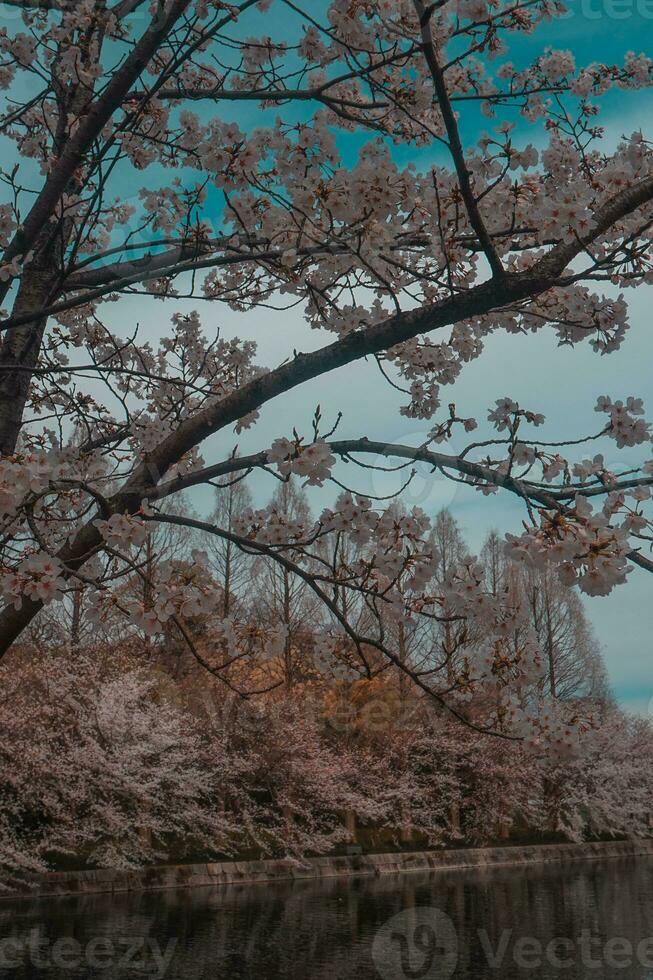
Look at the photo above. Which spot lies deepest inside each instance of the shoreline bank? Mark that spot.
(158, 878)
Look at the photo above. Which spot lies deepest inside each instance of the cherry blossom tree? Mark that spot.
(99, 765)
(132, 177)
(604, 788)
(110, 760)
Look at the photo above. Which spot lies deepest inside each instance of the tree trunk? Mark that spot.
(75, 629)
(226, 602)
(454, 817)
(350, 823)
(287, 652)
(550, 649)
(19, 353)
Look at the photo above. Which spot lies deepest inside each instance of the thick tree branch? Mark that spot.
(39, 4)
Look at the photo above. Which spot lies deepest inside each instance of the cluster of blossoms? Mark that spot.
(172, 599)
(585, 546)
(184, 592)
(38, 577)
(123, 532)
(507, 413)
(24, 475)
(312, 462)
(269, 526)
(549, 729)
(590, 467)
(498, 664)
(625, 428)
(186, 372)
(353, 514)
(394, 557)
(590, 548)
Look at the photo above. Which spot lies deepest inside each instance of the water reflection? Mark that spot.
(590, 919)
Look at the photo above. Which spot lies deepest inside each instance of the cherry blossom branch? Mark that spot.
(476, 301)
(457, 152)
(93, 122)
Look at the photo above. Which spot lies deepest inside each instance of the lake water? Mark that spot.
(588, 920)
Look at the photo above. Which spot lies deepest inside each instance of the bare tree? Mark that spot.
(280, 597)
(572, 663)
(232, 568)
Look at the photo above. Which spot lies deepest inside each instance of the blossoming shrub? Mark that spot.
(98, 765)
